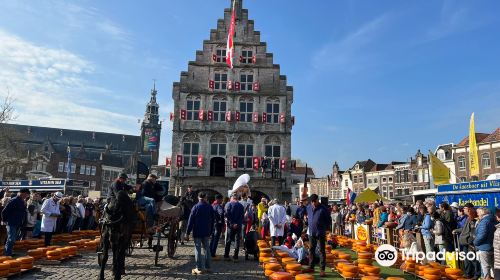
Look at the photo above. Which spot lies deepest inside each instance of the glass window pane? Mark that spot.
(269, 151)
(213, 149)
(277, 151)
(241, 150)
(195, 148)
(249, 150)
(217, 77)
(276, 108)
(216, 106)
(189, 105)
(250, 78)
(187, 148)
(224, 77)
(243, 78)
(249, 107)
(222, 150)
(242, 107)
(269, 108)
(241, 162)
(189, 115)
(275, 118)
(223, 106)
(197, 105)
(249, 162)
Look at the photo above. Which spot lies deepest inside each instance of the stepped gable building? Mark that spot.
(228, 122)
(96, 157)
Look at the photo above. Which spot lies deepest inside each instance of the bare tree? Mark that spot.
(9, 151)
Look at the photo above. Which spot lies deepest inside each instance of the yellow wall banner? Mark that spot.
(473, 159)
(440, 172)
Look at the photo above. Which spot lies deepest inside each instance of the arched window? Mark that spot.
(191, 149)
(245, 151)
(461, 163)
(273, 110)
(219, 108)
(485, 160)
(246, 109)
(193, 104)
(218, 145)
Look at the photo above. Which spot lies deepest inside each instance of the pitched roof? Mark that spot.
(302, 170)
(379, 167)
(479, 138)
(493, 137)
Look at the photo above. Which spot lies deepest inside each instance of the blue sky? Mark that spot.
(372, 79)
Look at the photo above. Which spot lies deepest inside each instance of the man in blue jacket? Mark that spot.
(13, 215)
(218, 224)
(483, 242)
(234, 220)
(201, 221)
(318, 222)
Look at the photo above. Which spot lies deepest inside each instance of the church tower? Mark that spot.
(151, 128)
(228, 122)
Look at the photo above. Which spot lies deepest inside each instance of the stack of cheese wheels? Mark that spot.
(304, 277)
(264, 253)
(419, 269)
(329, 258)
(15, 266)
(64, 252)
(72, 250)
(5, 258)
(37, 254)
(293, 268)
(410, 264)
(268, 260)
(270, 268)
(4, 269)
(281, 254)
(454, 273)
(431, 273)
(31, 244)
(365, 258)
(344, 256)
(77, 243)
(91, 245)
(286, 260)
(338, 262)
(20, 245)
(281, 275)
(54, 255)
(370, 270)
(349, 271)
(26, 262)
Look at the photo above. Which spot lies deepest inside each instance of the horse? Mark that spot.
(116, 233)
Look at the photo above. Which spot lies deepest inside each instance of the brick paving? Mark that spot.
(141, 266)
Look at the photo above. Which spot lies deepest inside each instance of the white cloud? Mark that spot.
(50, 88)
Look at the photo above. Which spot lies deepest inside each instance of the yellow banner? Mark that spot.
(473, 159)
(440, 172)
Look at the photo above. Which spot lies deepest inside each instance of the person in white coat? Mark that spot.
(50, 211)
(277, 219)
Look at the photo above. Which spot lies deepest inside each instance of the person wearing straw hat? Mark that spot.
(50, 211)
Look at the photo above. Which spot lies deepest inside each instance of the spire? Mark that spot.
(152, 109)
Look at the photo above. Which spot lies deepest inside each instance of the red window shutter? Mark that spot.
(254, 59)
(228, 116)
(171, 116)
(282, 118)
(256, 162)
(214, 57)
(230, 85)
(201, 115)
(183, 114)
(211, 84)
(235, 162)
(282, 164)
(237, 116)
(168, 162)
(237, 86)
(210, 116)
(264, 117)
(200, 161)
(179, 160)
(255, 117)
(256, 86)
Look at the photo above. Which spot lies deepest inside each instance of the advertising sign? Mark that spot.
(470, 186)
(38, 185)
(485, 199)
(151, 139)
(361, 232)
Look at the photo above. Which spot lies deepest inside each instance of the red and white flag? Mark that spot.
(230, 43)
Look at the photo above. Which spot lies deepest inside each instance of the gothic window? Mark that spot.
(245, 154)
(246, 110)
(218, 145)
(273, 111)
(192, 108)
(246, 82)
(221, 55)
(485, 160)
(191, 149)
(246, 56)
(220, 108)
(461, 163)
(220, 80)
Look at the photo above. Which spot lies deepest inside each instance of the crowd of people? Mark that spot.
(30, 214)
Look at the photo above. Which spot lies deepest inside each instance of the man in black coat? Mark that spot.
(145, 198)
(118, 185)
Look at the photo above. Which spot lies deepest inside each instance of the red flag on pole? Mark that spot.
(230, 43)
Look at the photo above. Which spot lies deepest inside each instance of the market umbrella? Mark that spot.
(368, 196)
(241, 184)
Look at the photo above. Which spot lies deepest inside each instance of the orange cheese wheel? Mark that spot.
(364, 249)
(453, 277)
(280, 275)
(372, 269)
(365, 261)
(294, 272)
(336, 252)
(27, 259)
(350, 268)
(272, 266)
(267, 255)
(26, 266)
(349, 274)
(420, 273)
(304, 277)
(345, 256)
(268, 272)
(293, 266)
(4, 266)
(13, 263)
(342, 264)
(288, 259)
(14, 269)
(370, 278)
(282, 254)
(435, 264)
(4, 273)
(365, 255)
(53, 253)
(54, 258)
(35, 252)
(432, 271)
(395, 278)
(266, 250)
(453, 271)
(432, 276)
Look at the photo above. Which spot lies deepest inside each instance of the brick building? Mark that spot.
(228, 122)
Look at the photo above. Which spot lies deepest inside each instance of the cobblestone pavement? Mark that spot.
(141, 266)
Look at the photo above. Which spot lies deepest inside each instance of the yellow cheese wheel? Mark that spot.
(268, 272)
(370, 278)
(453, 271)
(13, 263)
(294, 272)
(350, 268)
(262, 254)
(282, 254)
(304, 277)
(272, 266)
(349, 274)
(27, 259)
(365, 261)
(372, 269)
(35, 252)
(432, 271)
(435, 264)
(395, 278)
(365, 255)
(345, 256)
(288, 259)
(5, 258)
(432, 276)
(293, 266)
(266, 250)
